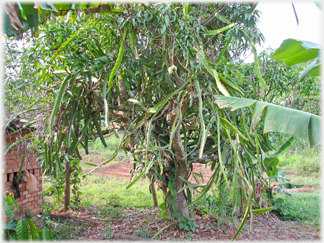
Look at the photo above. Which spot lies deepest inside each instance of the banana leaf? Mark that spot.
(294, 51)
(278, 118)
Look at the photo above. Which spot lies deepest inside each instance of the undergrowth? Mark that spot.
(299, 207)
(302, 161)
(108, 192)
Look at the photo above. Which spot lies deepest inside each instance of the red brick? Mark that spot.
(12, 156)
(31, 199)
(25, 201)
(28, 204)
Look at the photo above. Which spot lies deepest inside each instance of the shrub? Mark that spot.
(18, 229)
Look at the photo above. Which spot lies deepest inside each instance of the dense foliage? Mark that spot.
(156, 73)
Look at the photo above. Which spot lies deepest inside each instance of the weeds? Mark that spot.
(108, 232)
(143, 233)
(219, 205)
(110, 191)
(304, 162)
(299, 207)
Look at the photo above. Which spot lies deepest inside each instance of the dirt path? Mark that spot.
(121, 170)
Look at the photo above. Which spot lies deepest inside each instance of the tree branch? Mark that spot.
(206, 159)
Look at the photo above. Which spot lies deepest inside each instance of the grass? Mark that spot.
(305, 162)
(311, 181)
(104, 192)
(108, 195)
(303, 167)
(300, 207)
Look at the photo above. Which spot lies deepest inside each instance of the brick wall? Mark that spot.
(11, 163)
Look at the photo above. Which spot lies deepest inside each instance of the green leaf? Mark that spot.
(278, 118)
(68, 41)
(213, 72)
(284, 147)
(244, 218)
(32, 228)
(201, 118)
(234, 104)
(136, 179)
(10, 226)
(32, 17)
(57, 103)
(228, 124)
(12, 235)
(98, 127)
(214, 32)
(12, 202)
(313, 69)
(22, 230)
(270, 162)
(90, 164)
(47, 234)
(204, 192)
(24, 98)
(119, 58)
(256, 61)
(19, 141)
(289, 185)
(40, 234)
(262, 210)
(9, 211)
(47, 6)
(294, 51)
(314, 130)
(222, 18)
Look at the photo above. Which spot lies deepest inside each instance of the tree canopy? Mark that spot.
(161, 76)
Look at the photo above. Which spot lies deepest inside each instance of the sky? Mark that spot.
(278, 23)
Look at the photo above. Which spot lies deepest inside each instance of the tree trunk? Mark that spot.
(181, 170)
(67, 197)
(155, 201)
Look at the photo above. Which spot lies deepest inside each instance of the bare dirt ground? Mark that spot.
(134, 220)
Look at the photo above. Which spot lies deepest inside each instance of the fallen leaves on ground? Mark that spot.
(139, 222)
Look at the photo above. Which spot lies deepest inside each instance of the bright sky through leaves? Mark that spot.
(278, 23)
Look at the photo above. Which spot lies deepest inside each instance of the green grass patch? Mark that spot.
(311, 181)
(106, 193)
(300, 207)
(304, 162)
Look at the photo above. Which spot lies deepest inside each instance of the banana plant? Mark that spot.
(293, 52)
(277, 118)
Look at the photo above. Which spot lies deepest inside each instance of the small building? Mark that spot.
(11, 164)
